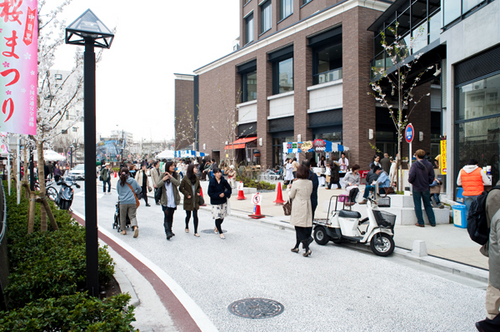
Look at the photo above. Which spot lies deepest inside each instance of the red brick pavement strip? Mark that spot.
(180, 316)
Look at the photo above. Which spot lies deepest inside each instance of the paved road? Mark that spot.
(336, 289)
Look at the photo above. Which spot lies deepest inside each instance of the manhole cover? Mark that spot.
(211, 231)
(256, 308)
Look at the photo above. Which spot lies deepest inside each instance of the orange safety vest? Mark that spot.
(472, 182)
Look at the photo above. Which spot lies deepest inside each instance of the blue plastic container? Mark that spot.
(459, 217)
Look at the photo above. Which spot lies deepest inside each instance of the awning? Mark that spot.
(240, 143)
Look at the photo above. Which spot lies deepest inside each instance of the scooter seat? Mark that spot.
(349, 214)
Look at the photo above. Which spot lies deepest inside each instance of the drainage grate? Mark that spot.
(256, 308)
(211, 231)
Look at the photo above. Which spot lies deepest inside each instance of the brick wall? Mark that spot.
(184, 102)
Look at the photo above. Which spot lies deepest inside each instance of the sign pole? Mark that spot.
(411, 155)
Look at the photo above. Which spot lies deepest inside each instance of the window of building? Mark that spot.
(286, 8)
(265, 16)
(283, 76)
(58, 76)
(305, 2)
(327, 56)
(249, 29)
(478, 125)
(248, 74)
(282, 70)
(75, 129)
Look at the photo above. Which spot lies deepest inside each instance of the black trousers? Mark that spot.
(145, 194)
(195, 219)
(218, 224)
(302, 234)
(168, 219)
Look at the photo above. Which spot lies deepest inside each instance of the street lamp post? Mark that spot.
(87, 30)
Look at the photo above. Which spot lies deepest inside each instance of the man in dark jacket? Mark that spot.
(314, 178)
(421, 176)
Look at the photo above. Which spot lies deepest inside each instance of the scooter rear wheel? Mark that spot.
(51, 193)
(382, 244)
(320, 235)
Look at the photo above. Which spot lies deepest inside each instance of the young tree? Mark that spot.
(185, 128)
(400, 101)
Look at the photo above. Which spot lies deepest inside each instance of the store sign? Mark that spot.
(319, 145)
(443, 158)
(19, 61)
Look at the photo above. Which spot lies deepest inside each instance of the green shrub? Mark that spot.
(75, 312)
(49, 264)
(251, 183)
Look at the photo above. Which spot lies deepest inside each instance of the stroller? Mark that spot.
(116, 219)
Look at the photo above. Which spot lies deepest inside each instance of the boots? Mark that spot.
(168, 229)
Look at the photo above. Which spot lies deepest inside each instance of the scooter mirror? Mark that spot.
(77, 185)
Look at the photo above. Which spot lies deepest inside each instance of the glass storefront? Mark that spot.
(278, 150)
(478, 123)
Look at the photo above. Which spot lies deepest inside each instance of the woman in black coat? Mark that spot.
(219, 191)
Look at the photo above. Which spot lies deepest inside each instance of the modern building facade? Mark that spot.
(460, 40)
(302, 72)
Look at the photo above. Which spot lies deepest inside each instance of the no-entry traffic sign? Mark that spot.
(409, 133)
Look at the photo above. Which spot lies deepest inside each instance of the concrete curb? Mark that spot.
(126, 286)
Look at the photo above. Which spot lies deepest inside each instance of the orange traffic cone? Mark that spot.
(256, 214)
(241, 195)
(279, 195)
(201, 193)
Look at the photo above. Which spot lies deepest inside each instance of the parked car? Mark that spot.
(78, 172)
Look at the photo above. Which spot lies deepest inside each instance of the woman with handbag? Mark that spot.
(219, 191)
(190, 187)
(142, 180)
(302, 215)
(170, 197)
(127, 189)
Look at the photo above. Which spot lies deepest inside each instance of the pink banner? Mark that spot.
(18, 66)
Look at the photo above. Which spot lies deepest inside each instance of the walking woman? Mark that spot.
(302, 215)
(127, 188)
(142, 180)
(190, 187)
(219, 191)
(170, 198)
(289, 171)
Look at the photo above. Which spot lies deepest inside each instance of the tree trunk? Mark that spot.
(41, 181)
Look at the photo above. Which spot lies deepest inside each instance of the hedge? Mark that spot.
(47, 270)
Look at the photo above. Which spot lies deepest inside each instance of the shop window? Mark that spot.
(479, 98)
(265, 16)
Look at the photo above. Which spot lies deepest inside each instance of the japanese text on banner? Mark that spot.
(18, 66)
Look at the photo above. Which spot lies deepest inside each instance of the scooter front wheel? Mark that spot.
(51, 193)
(382, 244)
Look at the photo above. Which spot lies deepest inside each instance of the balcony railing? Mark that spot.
(328, 76)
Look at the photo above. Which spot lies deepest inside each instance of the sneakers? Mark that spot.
(419, 225)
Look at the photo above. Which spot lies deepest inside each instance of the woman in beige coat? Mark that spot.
(301, 216)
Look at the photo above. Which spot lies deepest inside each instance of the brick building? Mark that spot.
(302, 73)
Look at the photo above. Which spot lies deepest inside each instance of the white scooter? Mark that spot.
(344, 225)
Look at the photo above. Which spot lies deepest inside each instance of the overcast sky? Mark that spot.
(154, 40)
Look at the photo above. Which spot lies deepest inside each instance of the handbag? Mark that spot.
(201, 201)
(287, 207)
(158, 194)
(137, 203)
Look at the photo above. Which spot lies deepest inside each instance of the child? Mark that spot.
(435, 190)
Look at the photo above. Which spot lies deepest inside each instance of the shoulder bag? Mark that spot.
(137, 203)
(287, 207)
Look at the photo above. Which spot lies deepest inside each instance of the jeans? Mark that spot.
(108, 181)
(425, 196)
(369, 188)
(436, 199)
(468, 201)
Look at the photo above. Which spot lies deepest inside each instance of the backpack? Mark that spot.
(477, 223)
